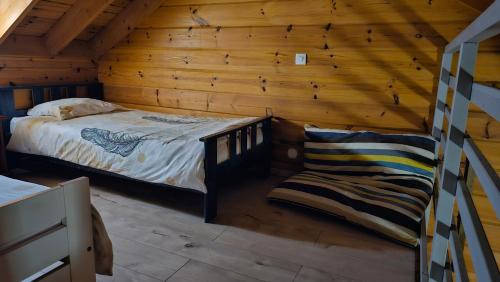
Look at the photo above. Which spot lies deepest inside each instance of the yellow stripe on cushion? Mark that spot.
(374, 158)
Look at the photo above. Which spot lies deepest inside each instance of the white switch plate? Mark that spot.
(301, 59)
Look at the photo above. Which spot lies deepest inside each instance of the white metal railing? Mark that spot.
(451, 183)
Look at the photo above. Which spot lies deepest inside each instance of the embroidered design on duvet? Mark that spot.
(170, 120)
(119, 143)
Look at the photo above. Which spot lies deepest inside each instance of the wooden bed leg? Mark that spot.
(12, 161)
(265, 155)
(210, 205)
(210, 200)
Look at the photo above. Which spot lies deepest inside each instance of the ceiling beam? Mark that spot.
(12, 13)
(123, 24)
(74, 21)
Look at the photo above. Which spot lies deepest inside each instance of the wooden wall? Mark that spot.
(372, 64)
(23, 60)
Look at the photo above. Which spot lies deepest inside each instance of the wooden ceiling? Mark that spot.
(100, 24)
(48, 12)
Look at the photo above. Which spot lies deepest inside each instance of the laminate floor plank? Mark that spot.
(157, 232)
(145, 259)
(160, 234)
(339, 261)
(307, 274)
(195, 271)
(122, 274)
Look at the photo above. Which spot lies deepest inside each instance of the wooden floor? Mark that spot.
(159, 235)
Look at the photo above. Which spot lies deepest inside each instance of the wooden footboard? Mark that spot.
(257, 154)
(46, 228)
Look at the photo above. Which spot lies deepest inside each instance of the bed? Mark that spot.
(194, 153)
(49, 235)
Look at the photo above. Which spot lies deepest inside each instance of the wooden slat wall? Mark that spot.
(19, 70)
(372, 64)
(24, 60)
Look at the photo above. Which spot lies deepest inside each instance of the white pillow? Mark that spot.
(72, 107)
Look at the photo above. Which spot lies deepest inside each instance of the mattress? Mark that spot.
(147, 146)
(12, 190)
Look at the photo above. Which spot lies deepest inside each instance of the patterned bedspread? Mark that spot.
(147, 146)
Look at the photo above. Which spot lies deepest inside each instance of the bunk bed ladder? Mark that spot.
(447, 258)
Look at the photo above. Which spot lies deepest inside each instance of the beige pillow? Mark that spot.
(72, 107)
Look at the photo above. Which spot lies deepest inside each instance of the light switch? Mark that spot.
(301, 59)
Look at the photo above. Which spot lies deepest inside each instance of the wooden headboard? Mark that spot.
(16, 100)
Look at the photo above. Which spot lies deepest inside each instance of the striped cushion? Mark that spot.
(369, 153)
(381, 181)
(380, 204)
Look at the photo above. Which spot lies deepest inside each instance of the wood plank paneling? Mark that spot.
(330, 64)
(371, 64)
(415, 38)
(300, 12)
(284, 107)
(122, 25)
(47, 13)
(42, 17)
(13, 12)
(24, 60)
(104, 19)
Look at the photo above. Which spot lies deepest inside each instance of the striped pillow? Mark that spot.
(369, 153)
(381, 181)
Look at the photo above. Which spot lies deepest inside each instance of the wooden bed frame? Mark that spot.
(45, 228)
(257, 156)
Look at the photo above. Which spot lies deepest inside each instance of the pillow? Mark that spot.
(72, 107)
(369, 153)
(383, 182)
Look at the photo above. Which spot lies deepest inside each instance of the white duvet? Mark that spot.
(147, 146)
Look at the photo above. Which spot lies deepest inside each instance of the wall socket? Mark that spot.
(301, 59)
